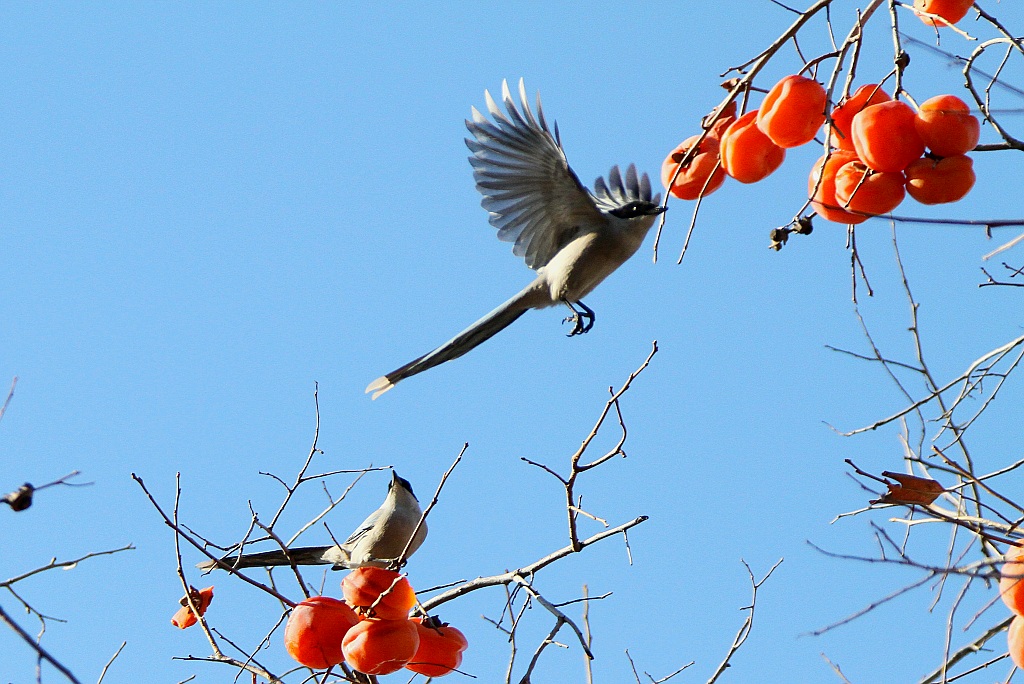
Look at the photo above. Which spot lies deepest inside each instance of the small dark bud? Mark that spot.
(778, 237)
(197, 598)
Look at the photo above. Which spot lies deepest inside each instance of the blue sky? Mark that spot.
(209, 208)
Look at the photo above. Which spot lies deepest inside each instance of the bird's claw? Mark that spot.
(579, 327)
(582, 318)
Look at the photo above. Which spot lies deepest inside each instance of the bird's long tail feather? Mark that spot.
(307, 555)
(476, 334)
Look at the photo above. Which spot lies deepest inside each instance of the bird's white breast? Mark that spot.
(582, 264)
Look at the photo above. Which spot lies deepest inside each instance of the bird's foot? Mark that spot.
(578, 325)
(584, 313)
(396, 564)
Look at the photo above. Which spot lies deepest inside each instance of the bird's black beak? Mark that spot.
(400, 481)
(658, 209)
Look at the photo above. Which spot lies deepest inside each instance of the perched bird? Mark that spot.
(572, 237)
(380, 539)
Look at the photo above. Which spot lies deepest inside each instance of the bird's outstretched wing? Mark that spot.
(616, 192)
(534, 198)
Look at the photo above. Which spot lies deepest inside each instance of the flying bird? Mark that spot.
(571, 236)
(378, 541)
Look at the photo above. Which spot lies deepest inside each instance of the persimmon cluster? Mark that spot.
(879, 149)
(1011, 590)
(371, 629)
(886, 150)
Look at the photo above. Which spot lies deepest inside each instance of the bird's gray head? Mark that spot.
(400, 482)
(637, 208)
(627, 198)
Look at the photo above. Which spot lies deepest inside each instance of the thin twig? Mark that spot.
(10, 394)
(221, 564)
(110, 662)
(748, 622)
(967, 650)
(66, 565)
(433, 502)
(527, 570)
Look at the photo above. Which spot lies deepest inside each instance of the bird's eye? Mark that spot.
(628, 211)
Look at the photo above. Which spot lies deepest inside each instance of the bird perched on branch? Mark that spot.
(573, 237)
(378, 541)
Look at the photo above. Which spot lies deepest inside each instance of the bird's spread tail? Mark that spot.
(476, 334)
(310, 555)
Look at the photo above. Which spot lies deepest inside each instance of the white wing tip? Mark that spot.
(492, 106)
(379, 386)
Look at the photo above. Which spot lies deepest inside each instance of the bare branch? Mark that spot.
(221, 564)
(110, 662)
(748, 622)
(400, 561)
(526, 570)
(965, 377)
(65, 565)
(970, 649)
(35, 646)
(870, 607)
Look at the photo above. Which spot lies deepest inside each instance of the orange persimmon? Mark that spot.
(946, 126)
(821, 188)
(1015, 641)
(792, 111)
(940, 181)
(703, 169)
(185, 618)
(950, 10)
(378, 647)
(748, 155)
(392, 593)
(1011, 580)
(861, 190)
(315, 629)
(885, 136)
(727, 117)
(842, 115)
(441, 647)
